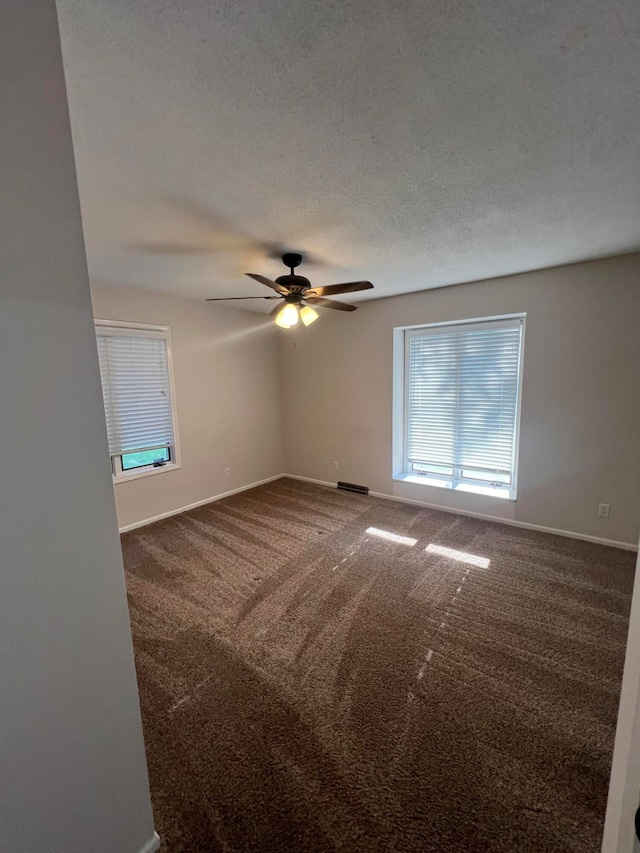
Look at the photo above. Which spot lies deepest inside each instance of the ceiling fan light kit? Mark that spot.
(308, 315)
(287, 316)
(299, 296)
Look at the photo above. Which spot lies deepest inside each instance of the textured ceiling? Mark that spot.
(417, 144)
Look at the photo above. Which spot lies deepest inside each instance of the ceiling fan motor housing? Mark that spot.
(295, 283)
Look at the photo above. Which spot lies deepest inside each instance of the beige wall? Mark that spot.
(73, 777)
(228, 392)
(580, 422)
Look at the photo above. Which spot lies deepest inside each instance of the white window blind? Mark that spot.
(462, 400)
(136, 390)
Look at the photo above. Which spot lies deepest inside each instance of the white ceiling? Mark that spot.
(416, 144)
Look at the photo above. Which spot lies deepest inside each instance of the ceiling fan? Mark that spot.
(298, 296)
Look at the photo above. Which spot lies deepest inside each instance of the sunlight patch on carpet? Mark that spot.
(391, 537)
(461, 556)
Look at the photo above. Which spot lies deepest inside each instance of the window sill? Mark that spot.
(504, 493)
(137, 474)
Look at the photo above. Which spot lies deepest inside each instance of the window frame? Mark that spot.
(149, 330)
(401, 466)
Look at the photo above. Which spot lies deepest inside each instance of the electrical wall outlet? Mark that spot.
(335, 466)
(227, 472)
(604, 510)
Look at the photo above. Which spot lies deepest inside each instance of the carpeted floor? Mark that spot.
(309, 685)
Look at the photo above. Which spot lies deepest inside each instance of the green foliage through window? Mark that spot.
(144, 457)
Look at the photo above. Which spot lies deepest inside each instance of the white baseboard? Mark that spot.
(626, 546)
(311, 480)
(152, 844)
(195, 505)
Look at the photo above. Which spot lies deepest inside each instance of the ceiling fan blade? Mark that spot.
(330, 303)
(347, 287)
(272, 284)
(228, 298)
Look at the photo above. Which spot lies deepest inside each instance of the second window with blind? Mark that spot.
(457, 401)
(137, 388)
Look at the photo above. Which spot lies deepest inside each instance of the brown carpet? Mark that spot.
(307, 685)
